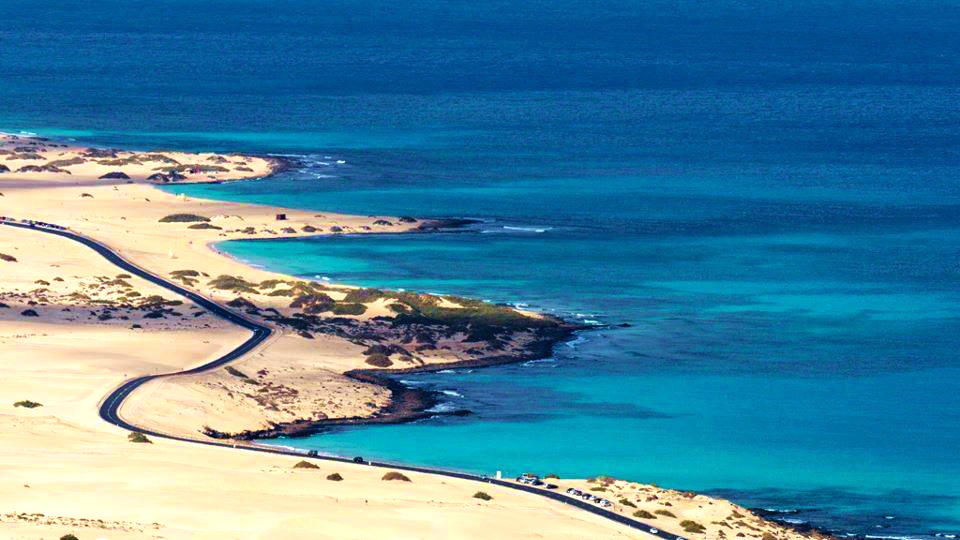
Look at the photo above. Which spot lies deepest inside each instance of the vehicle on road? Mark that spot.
(358, 459)
(653, 531)
(313, 453)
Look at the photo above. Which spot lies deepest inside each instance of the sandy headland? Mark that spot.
(73, 327)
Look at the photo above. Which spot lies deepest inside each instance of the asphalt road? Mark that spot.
(110, 406)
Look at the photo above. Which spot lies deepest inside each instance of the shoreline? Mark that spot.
(408, 403)
(115, 214)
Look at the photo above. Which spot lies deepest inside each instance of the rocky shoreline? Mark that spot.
(407, 404)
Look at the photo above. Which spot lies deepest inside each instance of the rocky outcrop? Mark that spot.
(115, 175)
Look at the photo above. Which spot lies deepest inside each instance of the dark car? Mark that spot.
(313, 453)
(358, 459)
(551, 486)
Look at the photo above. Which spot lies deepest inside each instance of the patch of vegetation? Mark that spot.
(691, 526)
(768, 536)
(67, 162)
(137, 437)
(69, 537)
(394, 475)
(335, 477)
(598, 488)
(627, 502)
(120, 162)
(29, 313)
(349, 309)
(666, 513)
(192, 168)
(312, 302)
(305, 465)
(27, 404)
(482, 495)
(204, 226)
(7, 258)
(239, 374)
(379, 360)
(87, 195)
(232, 283)
(643, 514)
(124, 276)
(182, 218)
(159, 158)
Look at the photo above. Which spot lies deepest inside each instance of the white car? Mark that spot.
(653, 531)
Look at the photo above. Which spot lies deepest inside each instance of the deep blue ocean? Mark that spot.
(767, 192)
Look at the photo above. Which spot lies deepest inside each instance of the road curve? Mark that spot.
(110, 406)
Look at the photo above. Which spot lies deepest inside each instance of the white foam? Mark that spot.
(442, 408)
(540, 361)
(451, 393)
(526, 229)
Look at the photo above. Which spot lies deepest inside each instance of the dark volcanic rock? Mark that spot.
(447, 223)
(115, 174)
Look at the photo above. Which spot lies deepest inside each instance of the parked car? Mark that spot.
(551, 486)
(358, 459)
(313, 453)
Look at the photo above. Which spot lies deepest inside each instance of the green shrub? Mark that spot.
(190, 168)
(482, 495)
(665, 513)
(232, 283)
(67, 162)
(305, 465)
(137, 437)
(349, 309)
(182, 218)
(28, 404)
(394, 475)
(643, 514)
(335, 477)
(69, 537)
(204, 226)
(691, 526)
(627, 502)
(768, 536)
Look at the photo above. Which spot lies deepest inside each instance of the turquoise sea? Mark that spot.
(766, 192)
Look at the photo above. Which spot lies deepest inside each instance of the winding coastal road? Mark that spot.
(110, 406)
